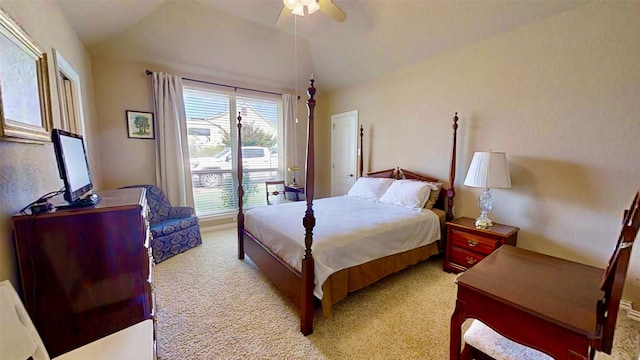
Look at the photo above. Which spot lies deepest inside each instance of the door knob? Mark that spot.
(351, 175)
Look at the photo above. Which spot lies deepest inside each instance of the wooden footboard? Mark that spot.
(283, 275)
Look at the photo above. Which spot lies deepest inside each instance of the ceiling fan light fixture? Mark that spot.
(313, 7)
(290, 4)
(298, 9)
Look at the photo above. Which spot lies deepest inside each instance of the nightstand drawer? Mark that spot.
(465, 258)
(473, 242)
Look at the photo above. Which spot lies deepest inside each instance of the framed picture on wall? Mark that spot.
(25, 101)
(140, 125)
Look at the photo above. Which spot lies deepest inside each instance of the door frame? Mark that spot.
(334, 151)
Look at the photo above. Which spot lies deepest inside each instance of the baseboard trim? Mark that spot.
(624, 304)
(631, 313)
(218, 227)
(634, 314)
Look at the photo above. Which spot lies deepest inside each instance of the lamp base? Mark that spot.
(483, 222)
(485, 204)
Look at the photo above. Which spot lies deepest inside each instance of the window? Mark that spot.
(212, 133)
(68, 83)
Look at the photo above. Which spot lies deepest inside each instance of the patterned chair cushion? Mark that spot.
(164, 247)
(485, 339)
(172, 225)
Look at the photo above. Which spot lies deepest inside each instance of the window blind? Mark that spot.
(211, 124)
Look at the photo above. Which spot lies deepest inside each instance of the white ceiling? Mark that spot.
(377, 37)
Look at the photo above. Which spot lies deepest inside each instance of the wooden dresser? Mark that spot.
(86, 273)
(467, 245)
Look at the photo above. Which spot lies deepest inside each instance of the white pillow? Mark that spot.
(408, 194)
(370, 188)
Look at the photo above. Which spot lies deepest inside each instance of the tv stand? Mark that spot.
(89, 200)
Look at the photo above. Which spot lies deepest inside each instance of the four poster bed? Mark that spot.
(350, 250)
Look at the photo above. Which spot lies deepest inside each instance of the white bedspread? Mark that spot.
(348, 232)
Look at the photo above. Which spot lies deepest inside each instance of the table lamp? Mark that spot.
(488, 169)
(294, 169)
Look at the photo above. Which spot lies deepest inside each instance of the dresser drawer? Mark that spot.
(465, 258)
(473, 242)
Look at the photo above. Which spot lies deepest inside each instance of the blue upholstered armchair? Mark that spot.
(174, 229)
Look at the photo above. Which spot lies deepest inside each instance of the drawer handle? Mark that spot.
(472, 242)
(471, 260)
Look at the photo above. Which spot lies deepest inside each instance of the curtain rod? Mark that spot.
(235, 88)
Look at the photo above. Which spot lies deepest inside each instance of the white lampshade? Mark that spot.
(488, 170)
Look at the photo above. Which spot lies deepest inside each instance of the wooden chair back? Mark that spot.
(275, 189)
(615, 274)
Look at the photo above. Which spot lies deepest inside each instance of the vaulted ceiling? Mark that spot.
(238, 39)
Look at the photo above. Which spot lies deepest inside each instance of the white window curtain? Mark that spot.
(172, 167)
(290, 115)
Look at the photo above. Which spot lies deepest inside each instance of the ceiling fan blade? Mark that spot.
(331, 9)
(284, 16)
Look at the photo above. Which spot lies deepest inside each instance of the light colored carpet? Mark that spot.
(210, 305)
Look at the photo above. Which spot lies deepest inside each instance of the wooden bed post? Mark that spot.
(309, 221)
(451, 192)
(240, 193)
(361, 151)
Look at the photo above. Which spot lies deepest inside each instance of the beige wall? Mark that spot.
(181, 39)
(558, 96)
(120, 85)
(323, 146)
(28, 171)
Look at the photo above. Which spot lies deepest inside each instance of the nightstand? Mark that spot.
(467, 245)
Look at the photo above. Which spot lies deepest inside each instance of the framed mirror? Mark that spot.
(25, 100)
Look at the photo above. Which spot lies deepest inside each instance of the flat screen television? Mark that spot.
(73, 167)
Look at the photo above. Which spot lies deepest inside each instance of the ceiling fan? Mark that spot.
(297, 7)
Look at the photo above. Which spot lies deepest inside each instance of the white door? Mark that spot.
(344, 152)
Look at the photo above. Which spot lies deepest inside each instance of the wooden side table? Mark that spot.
(467, 245)
(548, 303)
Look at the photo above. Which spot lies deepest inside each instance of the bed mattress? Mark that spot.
(349, 231)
